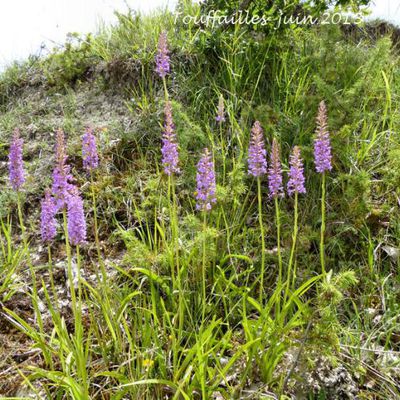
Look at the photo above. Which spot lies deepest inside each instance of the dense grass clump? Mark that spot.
(218, 213)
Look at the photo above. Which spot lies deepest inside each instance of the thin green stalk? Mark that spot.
(53, 288)
(105, 304)
(175, 241)
(24, 238)
(165, 88)
(223, 151)
(69, 264)
(174, 219)
(154, 299)
(321, 245)
(78, 266)
(278, 240)
(293, 249)
(96, 233)
(172, 222)
(203, 269)
(3, 247)
(260, 219)
(81, 359)
(29, 261)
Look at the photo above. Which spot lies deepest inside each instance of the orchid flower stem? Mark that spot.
(293, 249)
(278, 244)
(203, 269)
(260, 219)
(223, 151)
(175, 243)
(51, 273)
(165, 88)
(78, 266)
(322, 244)
(173, 228)
(96, 232)
(69, 266)
(29, 262)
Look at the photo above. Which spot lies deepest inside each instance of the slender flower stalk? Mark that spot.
(220, 118)
(322, 157)
(262, 232)
(51, 275)
(294, 187)
(16, 166)
(82, 358)
(203, 270)
(90, 159)
(169, 150)
(206, 197)
(276, 190)
(323, 224)
(27, 251)
(75, 303)
(257, 161)
(69, 260)
(175, 253)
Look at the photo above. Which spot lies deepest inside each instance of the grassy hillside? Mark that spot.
(172, 302)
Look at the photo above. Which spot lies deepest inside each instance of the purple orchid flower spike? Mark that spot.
(296, 173)
(322, 145)
(16, 165)
(162, 57)
(89, 150)
(76, 220)
(169, 150)
(206, 186)
(257, 154)
(275, 172)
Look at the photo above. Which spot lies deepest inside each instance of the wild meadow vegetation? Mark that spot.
(193, 212)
